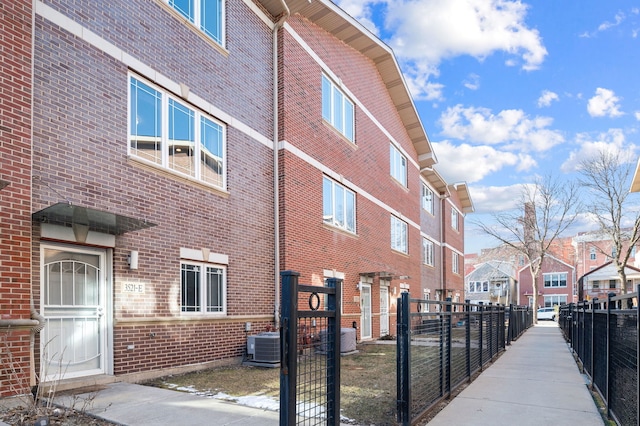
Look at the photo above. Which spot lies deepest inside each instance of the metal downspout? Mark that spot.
(276, 187)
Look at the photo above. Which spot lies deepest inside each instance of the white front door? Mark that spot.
(365, 308)
(74, 303)
(384, 311)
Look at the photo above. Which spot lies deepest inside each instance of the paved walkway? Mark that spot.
(131, 404)
(536, 382)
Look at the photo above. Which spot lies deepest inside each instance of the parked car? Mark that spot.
(547, 314)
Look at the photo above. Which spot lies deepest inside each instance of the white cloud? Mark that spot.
(468, 163)
(617, 21)
(637, 115)
(613, 140)
(495, 199)
(511, 128)
(425, 32)
(604, 103)
(472, 82)
(361, 11)
(546, 98)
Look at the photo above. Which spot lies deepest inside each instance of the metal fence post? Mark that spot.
(594, 302)
(288, 347)
(481, 336)
(448, 358)
(333, 355)
(608, 360)
(467, 331)
(510, 328)
(403, 360)
(490, 339)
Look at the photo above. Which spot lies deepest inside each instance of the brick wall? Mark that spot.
(80, 146)
(15, 199)
(310, 246)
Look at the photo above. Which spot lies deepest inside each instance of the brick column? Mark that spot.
(16, 41)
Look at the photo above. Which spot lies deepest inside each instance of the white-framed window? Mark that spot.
(398, 165)
(592, 253)
(426, 295)
(206, 15)
(427, 246)
(399, 235)
(556, 299)
(555, 279)
(337, 108)
(171, 134)
(203, 288)
(455, 262)
(338, 205)
(427, 198)
(455, 219)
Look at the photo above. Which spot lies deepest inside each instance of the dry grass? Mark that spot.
(367, 391)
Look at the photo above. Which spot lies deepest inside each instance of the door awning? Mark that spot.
(67, 214)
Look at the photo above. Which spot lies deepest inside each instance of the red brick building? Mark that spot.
(359, 197)
(140, 213)
(556, 286)
(16, 88)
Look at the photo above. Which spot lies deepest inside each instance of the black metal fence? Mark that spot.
(441, 345)
(603, 334)
(310, 352)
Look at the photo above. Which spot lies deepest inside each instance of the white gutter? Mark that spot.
(276, 188)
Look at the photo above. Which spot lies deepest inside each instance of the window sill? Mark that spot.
(177, 176)
(340, 230)
(350, 143)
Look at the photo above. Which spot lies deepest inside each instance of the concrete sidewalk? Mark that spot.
(536, 382)
(131, 404)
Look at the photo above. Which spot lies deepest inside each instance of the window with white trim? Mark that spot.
(338, 205)
(455, 262)
(427, 246)
(206, 15)
(398, 165)
(555, 279)
(455, 219)
(399, 235)
(203, 288)
(173, 135)
(559, 299)
(427, 198)
(337, 109)
(592, 253)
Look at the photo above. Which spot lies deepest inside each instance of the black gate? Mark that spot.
(310, 352)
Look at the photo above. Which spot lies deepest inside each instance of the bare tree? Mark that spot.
(550, 208)
(607, 176)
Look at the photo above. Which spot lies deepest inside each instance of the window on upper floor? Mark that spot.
(399, 235)
(203, 288)
(398, 165)
(206, 15)
(337, 109)
(592, 253)
(455, 219)
(427, 246)
(338, 205)
(427, 198)
(171, 134)
(555, 279)
(455, 264)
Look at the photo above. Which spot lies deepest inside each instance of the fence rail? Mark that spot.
(603, 334)
(441, 345)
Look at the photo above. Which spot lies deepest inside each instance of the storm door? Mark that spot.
(74, 303)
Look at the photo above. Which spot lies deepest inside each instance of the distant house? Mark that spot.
(604, 280)
(556, 284)
(492, 282)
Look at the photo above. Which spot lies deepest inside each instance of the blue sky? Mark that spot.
(511, 90)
